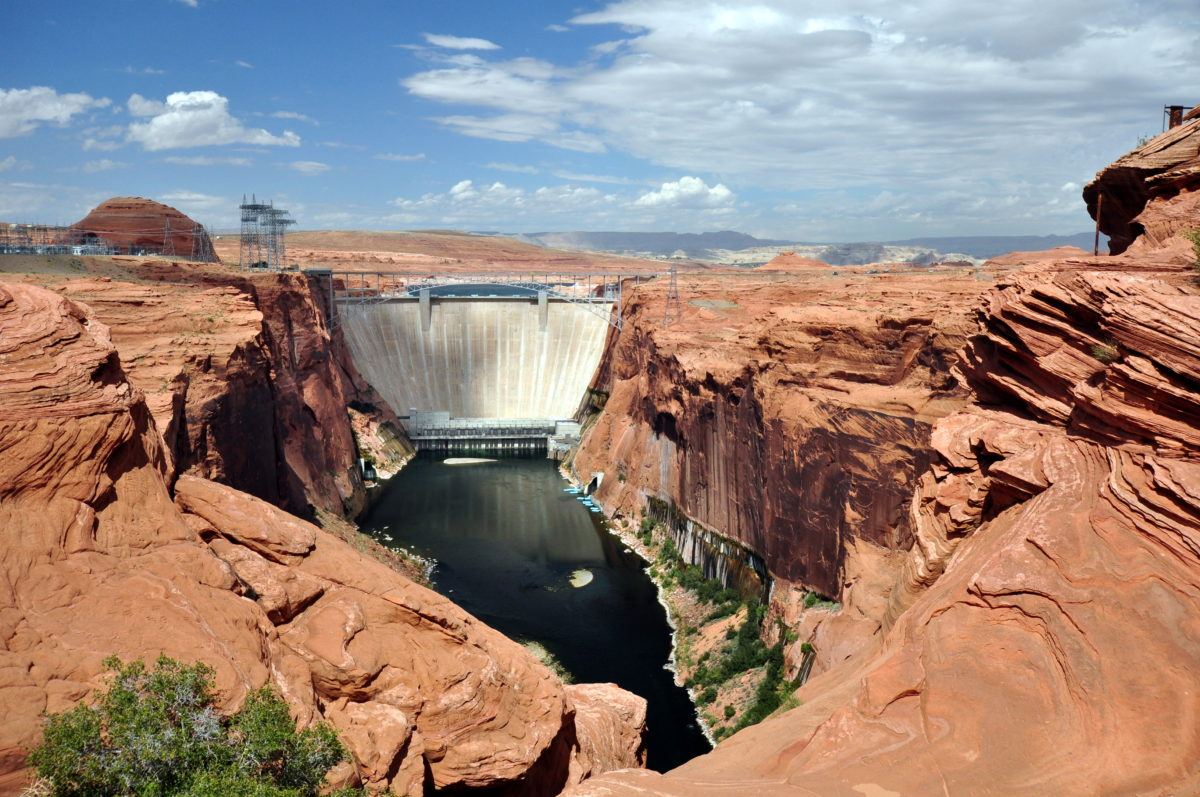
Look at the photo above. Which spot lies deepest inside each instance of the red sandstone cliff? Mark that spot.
(241, 373)
(790, 413)
(1037, 636)
(98, 558)
(1149, 195)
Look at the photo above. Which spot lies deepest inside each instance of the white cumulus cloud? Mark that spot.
(472, 204)
(459, 42)
(22, 110)
(195, 119)
(689, 192)
(932, 98)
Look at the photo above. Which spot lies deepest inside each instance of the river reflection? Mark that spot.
(509, 543)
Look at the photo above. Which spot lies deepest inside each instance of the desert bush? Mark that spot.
(1105, 352)
(1194, 237)
(156, 732)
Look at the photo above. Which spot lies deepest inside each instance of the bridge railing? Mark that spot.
(460, 432)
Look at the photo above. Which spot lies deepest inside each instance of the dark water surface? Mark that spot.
(507, 540)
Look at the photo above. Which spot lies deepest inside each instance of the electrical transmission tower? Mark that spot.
(671, 309)
(168, 247)
(263, 227)
(202, 248)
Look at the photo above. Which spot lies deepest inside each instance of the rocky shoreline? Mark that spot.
(696, 636)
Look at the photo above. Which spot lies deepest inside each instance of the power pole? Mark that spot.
(168, 247)
(202, 249)
(671, 309)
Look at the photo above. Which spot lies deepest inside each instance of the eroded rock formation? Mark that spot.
(1149, 195)
(1037, 636)
(790, 261)
(242, 376)
(132, 223)
(98, 558)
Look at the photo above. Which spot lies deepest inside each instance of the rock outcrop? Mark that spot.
(98, 558)
(133, 224)
(790, 261)
(242, 375)
(1038, 635)
(1149, 195)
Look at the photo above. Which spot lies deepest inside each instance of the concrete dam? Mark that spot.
(478, 363)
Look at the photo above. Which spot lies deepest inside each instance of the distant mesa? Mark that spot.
(1058, 253)
(790, 261)
(739, 249)
(136, 225)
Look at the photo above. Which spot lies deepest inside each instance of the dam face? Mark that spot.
(498, 358)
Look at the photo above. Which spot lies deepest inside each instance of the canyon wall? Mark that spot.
(100, 556)
(1037, 637)
(241, 373)
(789, 413)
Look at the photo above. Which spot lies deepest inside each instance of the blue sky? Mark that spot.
(857, 120)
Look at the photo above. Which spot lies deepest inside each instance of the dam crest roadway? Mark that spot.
(499, 361)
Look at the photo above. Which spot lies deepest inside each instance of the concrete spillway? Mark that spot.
(477, 357)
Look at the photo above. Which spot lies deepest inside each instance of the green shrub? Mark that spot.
(771, 691)
(813, 599)
(1194, 237)
(729, 712)
(1106, 352)
(668, 554)
(707, 696)
(156, 732)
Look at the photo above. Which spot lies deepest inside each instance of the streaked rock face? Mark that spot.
(1147, 197)
(98, 559)
(244, 381)
(789, 412)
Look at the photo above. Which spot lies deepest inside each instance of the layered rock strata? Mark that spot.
(99, 558)
(243, 377)
(1147, 197)
(1036, 637)
(788, 413)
